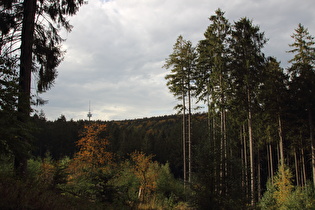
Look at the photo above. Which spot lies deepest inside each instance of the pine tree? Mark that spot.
(35, 25)
(182, 64)
(212, 81)
(302, 79)
(9, 124)
(246, 70)
(273, 96)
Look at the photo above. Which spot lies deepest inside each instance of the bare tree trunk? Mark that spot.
(303, 167)
(310, 119)
(242, 158)
(27, 37)
(209, 120)
(223, 146)
(211, 141)
(297, 176)
(216, 158)
(280, 140)
(221, 152)
(225, 151)
(251, 150)
(184, 139)
(268, 161)
(245, 161)
(259, 177)
(189, 135)
(271, 163)
(278, 155)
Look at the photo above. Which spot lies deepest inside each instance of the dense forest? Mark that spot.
(254, 148)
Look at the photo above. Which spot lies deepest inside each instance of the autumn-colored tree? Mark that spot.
(283, 185)
(144, 171)
(89, 171)
(280, 193)
(93, 145)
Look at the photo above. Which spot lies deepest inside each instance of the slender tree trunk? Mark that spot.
(259, 177)
(242, 158)
(297, 176)
(268, 161)
(223, 149)
(303, 167)
(251, 150)
(278, 154)
(27, 37)
(225, 152)
(211, 141)
(280, 140)
(221, 153)
(215, 151)
(189, 134)
(184, 139)
(209, 120)
(245, 161)
(271, 163)
(310, 119)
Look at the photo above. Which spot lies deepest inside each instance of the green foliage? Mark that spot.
(8, 103)
(182, 65)
(301, 198)
(33, 192)
(168, 186)
(126, 183)
(283, 195)
(268, 201)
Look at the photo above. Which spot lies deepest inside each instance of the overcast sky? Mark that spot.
(117, 48)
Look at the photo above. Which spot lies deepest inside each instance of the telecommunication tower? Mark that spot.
(89, 115)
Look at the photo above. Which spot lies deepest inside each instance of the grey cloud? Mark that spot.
(117, 48)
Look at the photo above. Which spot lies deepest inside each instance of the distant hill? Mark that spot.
(160, 136)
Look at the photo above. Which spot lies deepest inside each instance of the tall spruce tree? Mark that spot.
(8, 104)
(182, 65)
(272, 97)
(212, 83)
(302, 80)
(246, 70)
(35, 25)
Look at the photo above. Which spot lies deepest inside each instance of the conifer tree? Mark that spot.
(9, 124)
(180, 83)
(212, 81)
(35, 25)
(272, 96)
(246, 70)
(302, 80)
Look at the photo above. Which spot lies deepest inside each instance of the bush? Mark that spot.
(33, 193)
(268, 201)
(283, 195)
(301, 198)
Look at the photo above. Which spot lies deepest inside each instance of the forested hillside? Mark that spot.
(161, 137)
(158, 136)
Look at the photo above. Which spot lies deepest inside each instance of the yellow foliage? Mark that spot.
(283, 185)
(92, 154)
(146, 171)
(46, 172)
(93, 146)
